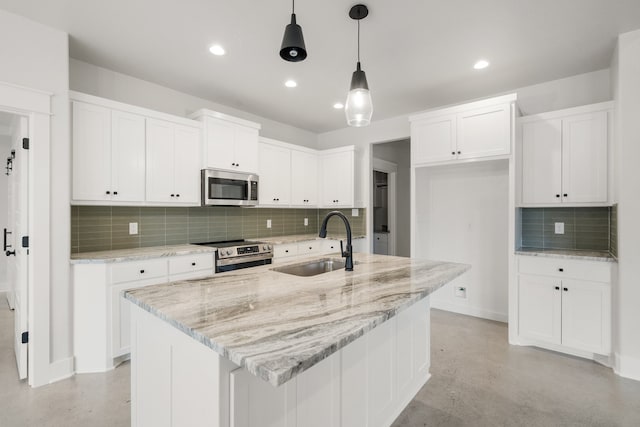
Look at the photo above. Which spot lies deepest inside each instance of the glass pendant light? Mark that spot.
(293, 48)
(358, 107)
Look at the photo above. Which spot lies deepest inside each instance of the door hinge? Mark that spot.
(25, 241)
(25, 337)
(25, 143)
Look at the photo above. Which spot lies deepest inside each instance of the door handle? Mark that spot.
(5, 246)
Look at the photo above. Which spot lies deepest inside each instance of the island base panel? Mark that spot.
(177, 381)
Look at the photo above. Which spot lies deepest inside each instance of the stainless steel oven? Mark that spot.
(224, 188)
(236, 254)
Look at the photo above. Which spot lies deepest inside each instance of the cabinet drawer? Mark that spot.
(330, 246)
(138, 270)
(281, 251)
(309, 247)
(593, 271)
(190, 263)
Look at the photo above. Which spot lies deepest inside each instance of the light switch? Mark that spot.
(355, 212)
(268, 223)
(559, 227)
(306, 222)
(133, 228)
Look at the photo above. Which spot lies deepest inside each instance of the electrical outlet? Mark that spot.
(461, 291)
(306, 222)
(133, 228)
(268, 223)
(559, 227)
(355, 212)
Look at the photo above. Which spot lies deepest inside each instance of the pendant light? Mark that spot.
(358, 107)
(293, 48)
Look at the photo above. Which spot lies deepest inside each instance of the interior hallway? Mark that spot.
(478, 380)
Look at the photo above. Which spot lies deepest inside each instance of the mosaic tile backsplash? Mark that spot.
(100, 228)
(584, 228)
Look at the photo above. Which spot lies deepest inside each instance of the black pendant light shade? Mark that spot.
(359, 79)
(293, 48)
(358, 107)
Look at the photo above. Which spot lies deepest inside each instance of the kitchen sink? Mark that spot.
(312, 268)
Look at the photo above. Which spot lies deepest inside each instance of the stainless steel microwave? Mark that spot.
(224, 188)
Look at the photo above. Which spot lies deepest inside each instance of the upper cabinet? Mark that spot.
(108, 154)
(275, 175)
(564, 157)
(229, 143)
(304, 178)
(173, 174)
(127, 155)
(338, 177)
(475, 130)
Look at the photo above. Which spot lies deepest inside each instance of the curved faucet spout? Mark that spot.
(348, 253)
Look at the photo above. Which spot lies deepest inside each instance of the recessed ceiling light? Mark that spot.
(481, 64)
(290, 83)
(338, 105)
(217, 50)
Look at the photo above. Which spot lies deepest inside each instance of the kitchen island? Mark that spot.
(258, 347)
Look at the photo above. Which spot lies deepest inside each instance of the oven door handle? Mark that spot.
(243, 259)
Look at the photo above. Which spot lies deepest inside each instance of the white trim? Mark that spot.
(626, 366)
(591, 108)
(61, 369)
(203, 112)
(392, 170)
(458, 108)
(120, 106)
(470, 311)
(288, 145)
(36, 105)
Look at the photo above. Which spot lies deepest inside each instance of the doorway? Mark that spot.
(384, 207)
(16, 229)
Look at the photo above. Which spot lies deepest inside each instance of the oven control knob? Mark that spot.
(269, 247)
(265, 247)
(229, 252)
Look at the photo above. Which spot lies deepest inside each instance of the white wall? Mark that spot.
(37, 57)
(399, 152)
(626, 301)
(94, 80)
(5, 149)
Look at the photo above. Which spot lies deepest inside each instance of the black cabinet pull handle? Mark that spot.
(557, 195)
(561, 270)
(177, 195)
(238, 164)
(286, 251)
(173, 195)
(193, 264)
(9, 253)
(565, 195)
(115, 193)
(565, 289)
(453, 153)
(459, 152)
(233, 164)
(557, 288)
(310, 247)
(108, 192)
(141, 271)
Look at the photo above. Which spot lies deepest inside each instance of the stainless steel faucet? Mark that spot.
(348, 254)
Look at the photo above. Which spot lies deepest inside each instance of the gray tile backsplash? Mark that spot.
(98, 228)
(584, 228)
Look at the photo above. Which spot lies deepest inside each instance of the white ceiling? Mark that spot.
(417, 54)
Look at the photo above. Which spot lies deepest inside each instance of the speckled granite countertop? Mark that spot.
(604, 256)
(277, 325)
(120, 255)
(294, 238)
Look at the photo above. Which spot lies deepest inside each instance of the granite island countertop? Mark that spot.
(119, 255)
(277, 325)
(588, 255)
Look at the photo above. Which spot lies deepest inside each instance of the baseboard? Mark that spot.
(627, 367)
(61, 369)
(470, 311)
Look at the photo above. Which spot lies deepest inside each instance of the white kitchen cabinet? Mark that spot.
(565, 157)
(229, 143)
(304, 178)
(98, 303)
(565, 304)
(338, 178)
(275, 175)
(172, 163)
(469, 131)
(108, 154)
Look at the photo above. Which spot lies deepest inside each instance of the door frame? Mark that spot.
(36, 106)
(391, 169)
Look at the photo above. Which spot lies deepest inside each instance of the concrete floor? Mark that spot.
(478, 380)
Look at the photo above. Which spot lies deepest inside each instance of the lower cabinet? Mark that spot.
(565, 309)
(99, 306)
(367, 383)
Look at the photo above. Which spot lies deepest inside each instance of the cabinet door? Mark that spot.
(246, 149)
(220, 144)
(542, 162)
(160, 161)
(337, 179)
(433, 140)
(484, 132)
(318, 394)
(304, 179)
(91, 152)
(275, 175)
(187, 164)
(539, 305)
(381, 243)
(584, 158)
(586, 316)
(127, 157)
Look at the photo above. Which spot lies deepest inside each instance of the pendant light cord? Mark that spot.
(358, 41)
(293, 6)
